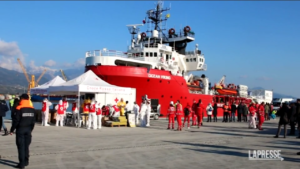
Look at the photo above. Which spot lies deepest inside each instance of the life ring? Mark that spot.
(171, 31)
(143, 35)
(187, 29)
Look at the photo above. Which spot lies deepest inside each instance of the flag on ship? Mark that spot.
(144, 21)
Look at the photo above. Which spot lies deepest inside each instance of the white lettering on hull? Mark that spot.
(159, 76)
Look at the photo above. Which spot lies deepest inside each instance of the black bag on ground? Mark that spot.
(186, 111)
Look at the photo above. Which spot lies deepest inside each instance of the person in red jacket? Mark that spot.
(179, 114)
(252, 122)
(171, 115)
(194, 115)
(261, 113)
(187, 114)
(60, 113)
(199, 112)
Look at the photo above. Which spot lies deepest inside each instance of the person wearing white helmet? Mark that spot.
(45, 112)
(60, 113)
(143, 115)
(92, 116)
(171, 115)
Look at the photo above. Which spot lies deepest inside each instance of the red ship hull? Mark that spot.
(156, 84)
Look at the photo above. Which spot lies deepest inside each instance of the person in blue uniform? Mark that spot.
(23, 124)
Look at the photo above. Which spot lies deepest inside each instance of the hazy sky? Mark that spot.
(251, 42)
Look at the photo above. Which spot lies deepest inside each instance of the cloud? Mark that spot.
(80, 63)
(263, 78)
(243, 76)
(50, 63)
(9, 51)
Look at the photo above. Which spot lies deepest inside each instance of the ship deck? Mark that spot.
(214, 146)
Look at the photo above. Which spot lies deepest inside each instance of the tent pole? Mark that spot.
(78, 108)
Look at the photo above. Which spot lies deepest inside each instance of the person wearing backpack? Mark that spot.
(209, 110)
(187, 114)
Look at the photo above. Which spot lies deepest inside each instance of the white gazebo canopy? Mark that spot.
(43, 89)
(88, 82)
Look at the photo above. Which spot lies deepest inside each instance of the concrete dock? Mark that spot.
(213, 146)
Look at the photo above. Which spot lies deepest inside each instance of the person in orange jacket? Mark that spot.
(179, 114)
(261, 113)
(199, 112)
(171, 115)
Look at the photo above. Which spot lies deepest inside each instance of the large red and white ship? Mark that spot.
(157, 65)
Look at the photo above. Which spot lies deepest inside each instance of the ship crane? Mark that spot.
(30, 83)
(63, 75)
(40, 77)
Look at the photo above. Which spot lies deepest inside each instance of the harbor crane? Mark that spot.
(63, 75)
(31, 83)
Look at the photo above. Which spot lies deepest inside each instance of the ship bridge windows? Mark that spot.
(155, 54)
(147, 54)
(151, 54)
(187, 60)
(134, 64)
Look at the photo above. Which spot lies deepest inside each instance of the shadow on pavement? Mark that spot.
(8, 163)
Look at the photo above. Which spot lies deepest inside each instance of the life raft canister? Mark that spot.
(187, 29)
(143, 35)
(171, 31)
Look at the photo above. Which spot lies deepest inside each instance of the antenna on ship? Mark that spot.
(155, 17)
(133, 30)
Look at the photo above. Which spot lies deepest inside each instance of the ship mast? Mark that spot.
(155, 17)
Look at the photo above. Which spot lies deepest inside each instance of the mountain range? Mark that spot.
(12, 82)
(15, 82)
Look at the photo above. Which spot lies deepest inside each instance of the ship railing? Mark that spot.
(105, 52)
(204, 67)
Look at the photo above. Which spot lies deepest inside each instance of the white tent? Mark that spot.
(43, 89)
(88, 82)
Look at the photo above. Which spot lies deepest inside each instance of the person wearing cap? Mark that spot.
(45, 112)
(261, 115)
(136, 109)
(171, 115)
(24, 125)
